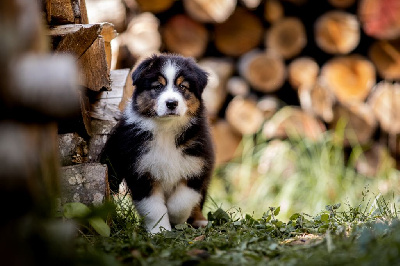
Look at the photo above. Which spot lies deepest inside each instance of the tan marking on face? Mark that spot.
(192, 102)
(162, 81)
(145, 104)
(181, 80)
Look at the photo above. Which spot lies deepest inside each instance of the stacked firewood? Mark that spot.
(328, 63)
(81, 138)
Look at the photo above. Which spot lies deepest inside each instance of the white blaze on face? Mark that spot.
(169, 94)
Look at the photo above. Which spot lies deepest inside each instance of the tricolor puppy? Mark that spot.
(162, 145)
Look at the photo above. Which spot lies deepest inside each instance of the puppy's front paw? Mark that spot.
(199, 223)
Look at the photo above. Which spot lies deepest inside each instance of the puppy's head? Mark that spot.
(168, 86)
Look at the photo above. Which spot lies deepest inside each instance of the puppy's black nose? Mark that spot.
(171, 104)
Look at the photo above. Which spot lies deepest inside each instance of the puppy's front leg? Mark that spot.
(154, 211)
(181, 203)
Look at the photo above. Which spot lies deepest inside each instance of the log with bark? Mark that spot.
(302, 71)
(142, 36)
(154, 6)
(244, 116)
(386, 57)
(86, 183)
(66, 12)
(380, 18)
(287, 37)
(72, 149)
(237, 86)
(293, 122)
(264, 70)
(337, 32)
(350, 78)
(184, 36)
(273, 10)
(239, 34)
(384, 101)
(210, 11)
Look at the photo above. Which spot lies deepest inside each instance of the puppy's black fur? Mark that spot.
(143, 128)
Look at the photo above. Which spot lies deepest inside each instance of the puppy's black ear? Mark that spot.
(141, 68)
(202, 79)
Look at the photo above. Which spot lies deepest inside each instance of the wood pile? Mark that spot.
(330, 62)
(276, 67)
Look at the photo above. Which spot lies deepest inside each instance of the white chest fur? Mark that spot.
(167, 163)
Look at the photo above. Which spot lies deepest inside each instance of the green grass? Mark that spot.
(325, 213)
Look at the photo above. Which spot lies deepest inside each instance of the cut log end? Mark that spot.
(337, 32)
(287, 36)
(265, 71)
(350, 78)
(302, 71)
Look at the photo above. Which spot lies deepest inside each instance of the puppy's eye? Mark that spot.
(184, 85)
(156, 86)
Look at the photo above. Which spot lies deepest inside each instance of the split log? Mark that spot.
(386, 57)
(244, 116)
(318, 100)
(226, 141)
(101, 130)
(287, 37)
(374, 160)
(237, 86)
(154, 6)
(214, 95)
(385, 104)
(359, 124)
(302, 71)
(341, 3)
(273, 11)
(85, 183)
(337, 32)
(66, 12)
(380, 18)
(240, 33)
(210, 11)
(185, 36)
(111, 11)
(106, 103)
(142, 36)
(292, 122)
(268, 105)
(72, 148)
(90, 43)
(350, 78)
(265, 71)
